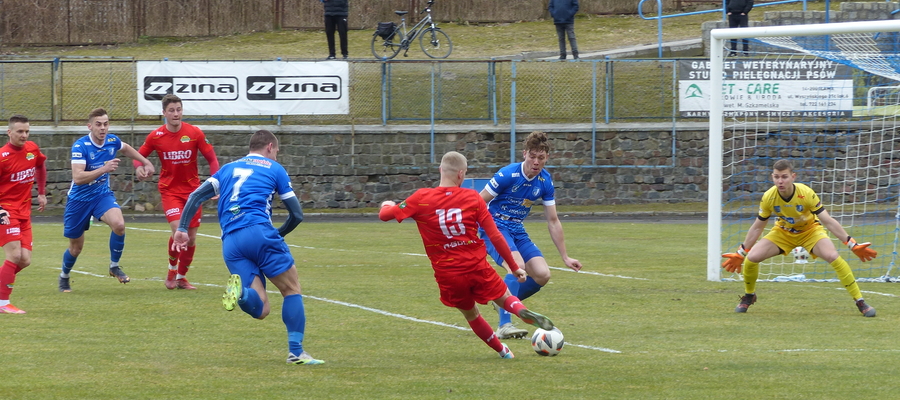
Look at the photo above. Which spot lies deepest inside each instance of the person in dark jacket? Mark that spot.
(336, 12)
(563, 13)
(737, 11)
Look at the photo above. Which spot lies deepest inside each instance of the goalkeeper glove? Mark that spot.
(861, 250)
(734, 261)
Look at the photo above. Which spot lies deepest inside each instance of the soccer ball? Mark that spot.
(547, 343)
(801, 256)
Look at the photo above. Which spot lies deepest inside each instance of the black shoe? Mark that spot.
(345, 57)
(117, 273)
(331, 58)
(64, 285)
(865, 309)
(746, 301)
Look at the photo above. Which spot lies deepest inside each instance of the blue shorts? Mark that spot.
(77, 217)
(257, 250)
(518, 241)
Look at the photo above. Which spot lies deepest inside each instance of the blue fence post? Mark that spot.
(384, 94)
(512, 114)
(55, 110)
(608, 90)
(594, 113)
(492, 89)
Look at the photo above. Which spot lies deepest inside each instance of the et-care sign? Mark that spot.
(768, 88)
(245, 87)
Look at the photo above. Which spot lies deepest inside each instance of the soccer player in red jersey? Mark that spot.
(448, 218)
(176, 144)
(21, 164)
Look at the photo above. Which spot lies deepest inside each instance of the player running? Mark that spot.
(252, 247)
(21, 165)
(510, 194)
(93, 158)
(800, 220)
(177, 144)
(448, 218)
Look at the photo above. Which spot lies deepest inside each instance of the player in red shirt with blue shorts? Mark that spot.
(176, 144)
(448, 218)
(21, 164)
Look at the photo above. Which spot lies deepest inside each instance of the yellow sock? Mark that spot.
(846, 276)
(751, 274)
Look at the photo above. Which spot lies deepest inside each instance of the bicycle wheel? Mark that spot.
(435, 43)
(386, 49)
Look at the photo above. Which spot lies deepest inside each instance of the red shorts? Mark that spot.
(18, 229)
(174, 203)
(463, 290)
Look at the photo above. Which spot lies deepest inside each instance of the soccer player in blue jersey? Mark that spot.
(252, 247)
(510, 194)
(93, 158)
(800, 220)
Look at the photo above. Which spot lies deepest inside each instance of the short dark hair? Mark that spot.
(783, 165)
(169, 99)
(261, 138)
(97, 112)
(18, 118)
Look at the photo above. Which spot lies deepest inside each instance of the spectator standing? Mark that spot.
(737, 11)
(336, 12)
(563, 13)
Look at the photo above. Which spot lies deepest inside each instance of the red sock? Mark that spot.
(513, 305)
(173, 254)
(185, 258)
(486, 333)
(7, 278)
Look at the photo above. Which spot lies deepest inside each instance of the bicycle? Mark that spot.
(435, 43)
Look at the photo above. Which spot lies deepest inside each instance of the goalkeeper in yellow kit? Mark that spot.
(800, 220)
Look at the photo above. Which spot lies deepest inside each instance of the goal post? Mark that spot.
(825, 97)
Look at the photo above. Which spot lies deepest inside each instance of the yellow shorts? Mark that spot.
(787, 241)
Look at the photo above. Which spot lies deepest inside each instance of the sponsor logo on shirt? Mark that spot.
(185, 139)
(177, 155)
(76, 155)
(22, 176)
(29, 156)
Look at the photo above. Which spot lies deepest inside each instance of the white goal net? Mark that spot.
(826, 97)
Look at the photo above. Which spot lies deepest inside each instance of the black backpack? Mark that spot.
(386, 30)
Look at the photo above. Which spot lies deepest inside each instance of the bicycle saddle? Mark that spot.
(401, 13)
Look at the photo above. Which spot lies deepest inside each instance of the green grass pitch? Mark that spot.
(641, 321)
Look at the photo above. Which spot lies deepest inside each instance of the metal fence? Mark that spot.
(63, 91)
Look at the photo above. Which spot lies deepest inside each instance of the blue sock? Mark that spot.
(68, 262)
(528, 288)
(116, 245)
(513, 284)
(250, 302)
(294, 317)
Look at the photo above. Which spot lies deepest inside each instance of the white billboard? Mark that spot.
(245, 87)
(768, 88)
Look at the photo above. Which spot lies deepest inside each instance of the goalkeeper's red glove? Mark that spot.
(734, 261)
(861, 250)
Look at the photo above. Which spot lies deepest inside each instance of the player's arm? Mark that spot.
(295, 215)
(734, 261)
(210, 155)
(145, 151)
(82, 177)
(558, 237)
(490, 228)
(4, 216)
(486, 195)
(146, 169)
(40, 177)
(207, 190)
(861, 250)
(388, 211)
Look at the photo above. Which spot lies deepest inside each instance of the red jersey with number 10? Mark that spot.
(17, 173)
(177, 153)
(448, 220)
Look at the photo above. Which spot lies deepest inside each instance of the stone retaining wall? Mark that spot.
(353, 167)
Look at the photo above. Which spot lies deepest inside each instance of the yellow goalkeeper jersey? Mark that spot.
(796, 214)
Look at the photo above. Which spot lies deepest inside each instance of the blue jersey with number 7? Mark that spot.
(246, 188)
